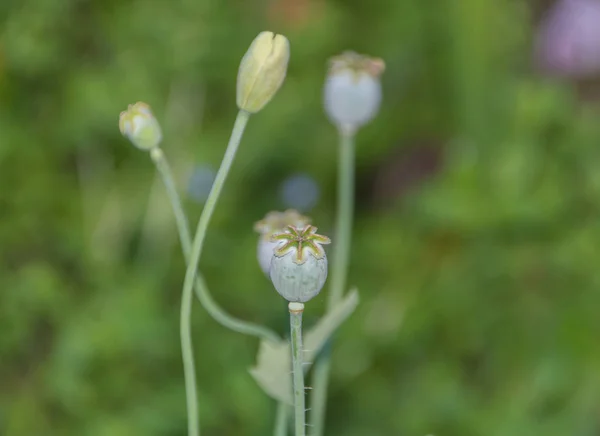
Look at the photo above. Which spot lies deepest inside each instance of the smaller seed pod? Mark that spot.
(299, 263)
(352, 93)
(272, 223)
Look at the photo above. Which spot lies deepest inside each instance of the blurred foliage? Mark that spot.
(478, 272)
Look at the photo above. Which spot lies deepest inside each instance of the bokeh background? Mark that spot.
(477, 232)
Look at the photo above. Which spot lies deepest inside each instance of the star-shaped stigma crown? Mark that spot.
(300, 241)
(356, 63)
(276, 222)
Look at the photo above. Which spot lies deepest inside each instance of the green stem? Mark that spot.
(186, 301)
(339, 272)
(183, 228)
(281, 420)
(296, 310)
(190, 274)
(200, 288)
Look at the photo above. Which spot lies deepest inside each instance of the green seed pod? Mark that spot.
(139, 125)
(262, 71)
(299, 263)
(272, 223)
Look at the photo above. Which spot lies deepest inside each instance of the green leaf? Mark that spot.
(273, 363)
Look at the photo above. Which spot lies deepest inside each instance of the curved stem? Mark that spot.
(339, 272)
(183, 228)
(281, 420)
(186, 301)
(190, 274)
(200, 288)
(296, 310)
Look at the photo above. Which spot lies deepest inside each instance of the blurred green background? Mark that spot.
(475, 242)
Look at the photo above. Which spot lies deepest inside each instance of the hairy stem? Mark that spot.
(339, 272)
(296, 310)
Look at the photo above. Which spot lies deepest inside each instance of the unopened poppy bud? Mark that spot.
(272, 223)
(352, 93)
(262, 71)
(299, 263)
(139, 125)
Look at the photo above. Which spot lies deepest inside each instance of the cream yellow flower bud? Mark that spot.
(139, 125)
(262, 71)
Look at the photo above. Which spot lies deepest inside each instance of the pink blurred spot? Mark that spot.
(568, 39)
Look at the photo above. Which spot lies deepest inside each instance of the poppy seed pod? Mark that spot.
(138, 124)
(352, 93)
(275, 222)
(262, 71)
(299, 263)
